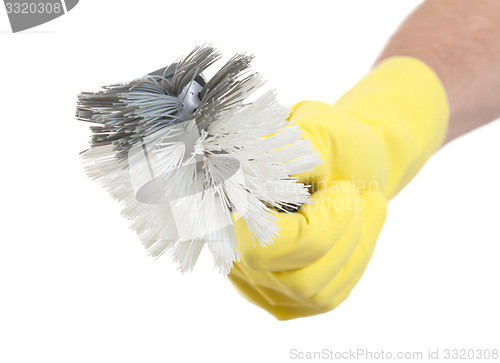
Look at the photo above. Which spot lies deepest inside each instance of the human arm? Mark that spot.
(460, 41)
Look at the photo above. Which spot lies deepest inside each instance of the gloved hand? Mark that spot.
(372, 142)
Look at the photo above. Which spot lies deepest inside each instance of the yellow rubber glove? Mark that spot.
(372, 142)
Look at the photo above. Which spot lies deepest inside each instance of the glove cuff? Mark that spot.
(405, 103)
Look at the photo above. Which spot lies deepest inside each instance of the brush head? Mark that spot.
(182, 154)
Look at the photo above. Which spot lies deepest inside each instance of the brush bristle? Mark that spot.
(179, 179)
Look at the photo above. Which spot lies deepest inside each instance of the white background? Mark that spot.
(77, 286)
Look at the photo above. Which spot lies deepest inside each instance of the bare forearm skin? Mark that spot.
(460, 41)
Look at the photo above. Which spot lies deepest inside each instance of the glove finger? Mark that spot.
(247, 291)
(340, 287)
(271, 291)
(264, 279)
(306, 235)
(309, 280)
(268, 285)
(342, 283)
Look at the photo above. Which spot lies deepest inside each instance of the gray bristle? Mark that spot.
(221, 82)
(125, 113)
(193, 65)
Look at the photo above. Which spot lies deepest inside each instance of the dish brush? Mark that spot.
(184, 155)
